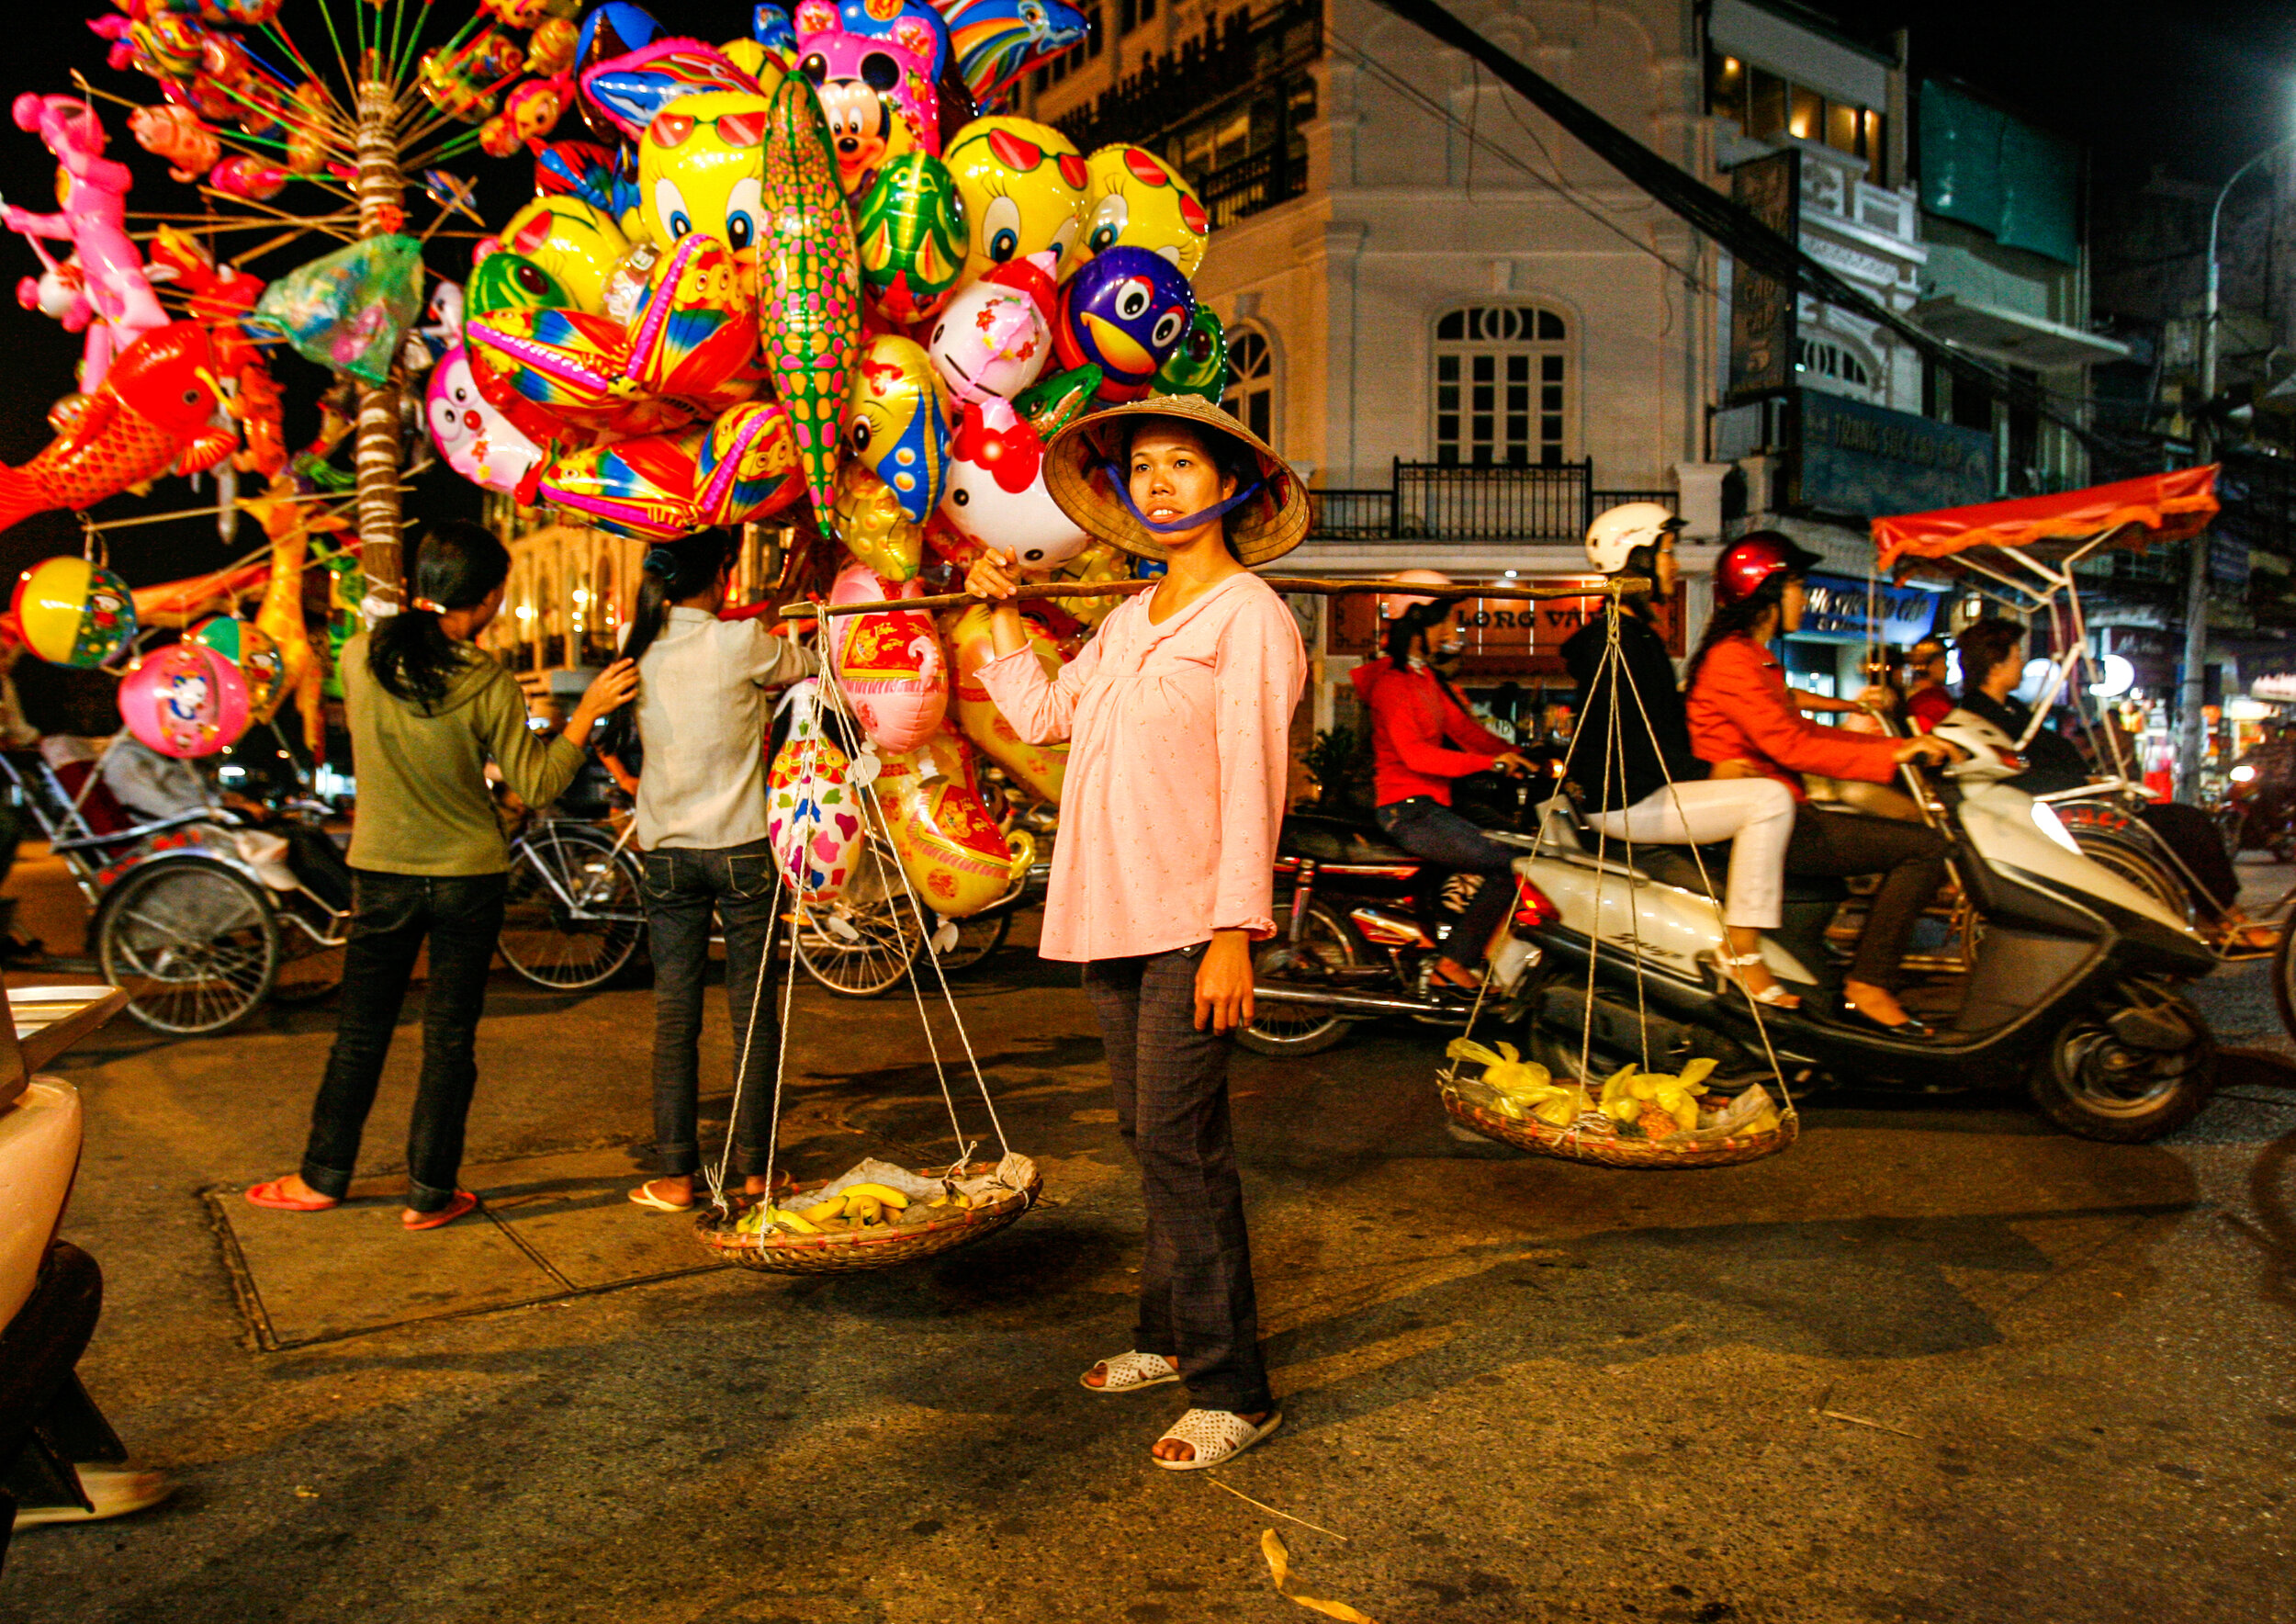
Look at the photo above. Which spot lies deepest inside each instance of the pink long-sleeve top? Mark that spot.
(1179, 747)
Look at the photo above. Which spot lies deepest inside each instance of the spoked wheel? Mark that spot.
(2137, 1064)
(193, 942)
(308, 969)
(572, 916)
(977, 938)
(859, 943)
(1327, 948)
(2147, 872)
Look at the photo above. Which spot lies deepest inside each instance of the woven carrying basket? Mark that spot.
(840, 1251)
(1606, 1150)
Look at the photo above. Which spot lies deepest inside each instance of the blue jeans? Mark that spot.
(1425, 827)
(461, 915)
(681, 888)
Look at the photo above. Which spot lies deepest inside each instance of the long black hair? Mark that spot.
(457, 565)
(1731, 619)
(673, 569)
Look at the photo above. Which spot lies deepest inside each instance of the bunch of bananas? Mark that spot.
(856, 1207)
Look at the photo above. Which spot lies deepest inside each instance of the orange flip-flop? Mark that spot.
(462, 1206)
(272, 1194)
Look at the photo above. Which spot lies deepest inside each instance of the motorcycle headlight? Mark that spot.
(2046, 821)
(2245, 773)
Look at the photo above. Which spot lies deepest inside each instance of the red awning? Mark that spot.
(2168, 507)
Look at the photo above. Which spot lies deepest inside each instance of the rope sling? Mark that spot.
(979, 1198)
(1522, 1103)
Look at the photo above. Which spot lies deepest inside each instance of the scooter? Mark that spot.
(1359, 936)
(2073, 983)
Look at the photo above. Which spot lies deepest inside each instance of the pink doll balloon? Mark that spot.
(476, 441)
(186, 700)
(993, 339)
(890, 664)
(95, 194)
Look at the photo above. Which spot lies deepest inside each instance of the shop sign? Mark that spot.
(1862, 461)
(1835, 611)
(1497, 635)
(1761, 307)
(2277, 685)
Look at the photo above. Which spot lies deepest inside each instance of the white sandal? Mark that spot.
(1728, 966)
(1216, 1436)
(1129, 1373)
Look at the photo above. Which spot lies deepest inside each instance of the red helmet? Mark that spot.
(1752, 559)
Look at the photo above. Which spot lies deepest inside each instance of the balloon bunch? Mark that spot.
(798, 268)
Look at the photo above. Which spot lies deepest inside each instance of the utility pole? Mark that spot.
(2191, 733)
(381, 190)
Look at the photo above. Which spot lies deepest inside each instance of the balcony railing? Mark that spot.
(1465, 502)
(1261, 181)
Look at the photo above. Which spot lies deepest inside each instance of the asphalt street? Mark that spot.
(1936, 1362)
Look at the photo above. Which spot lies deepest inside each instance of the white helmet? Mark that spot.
(1392, 605)
(1618, 531)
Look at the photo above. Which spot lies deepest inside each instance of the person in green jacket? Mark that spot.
(426, 709)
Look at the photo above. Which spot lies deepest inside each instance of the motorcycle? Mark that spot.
(2073, 982)
(1359, 936)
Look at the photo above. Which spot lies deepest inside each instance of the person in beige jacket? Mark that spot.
(427, 709)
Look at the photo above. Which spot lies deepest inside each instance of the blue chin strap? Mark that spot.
(1122, 486)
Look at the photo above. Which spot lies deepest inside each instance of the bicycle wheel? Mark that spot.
(573, 916)
(308, 969)
(859, 943)
(193, 943)
(976, 938)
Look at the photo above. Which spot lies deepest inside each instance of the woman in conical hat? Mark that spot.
(1178, 716)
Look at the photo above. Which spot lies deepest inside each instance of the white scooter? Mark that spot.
(2072, 986)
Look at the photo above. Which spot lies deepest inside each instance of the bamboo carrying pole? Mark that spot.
(1617, 586)
(382, 198)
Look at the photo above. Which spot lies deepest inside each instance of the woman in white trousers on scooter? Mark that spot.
(1631, 769)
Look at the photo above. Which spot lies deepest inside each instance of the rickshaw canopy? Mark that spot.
(2155, 507)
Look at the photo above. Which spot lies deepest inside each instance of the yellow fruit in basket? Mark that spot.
(794, 1222)
(864, 1209)
(884, 1195)
(828, 1209)
(1618, 1102)
(1697, 1072)
(1656, 1122)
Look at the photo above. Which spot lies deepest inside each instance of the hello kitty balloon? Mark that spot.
(996, 493)
(476, 441)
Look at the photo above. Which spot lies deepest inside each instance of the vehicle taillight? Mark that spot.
(1533, 907)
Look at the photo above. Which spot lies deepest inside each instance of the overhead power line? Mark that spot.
(1723, 221)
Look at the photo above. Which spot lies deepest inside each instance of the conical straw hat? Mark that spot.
(1265, 526)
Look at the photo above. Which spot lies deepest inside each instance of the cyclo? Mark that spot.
(198, 917)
